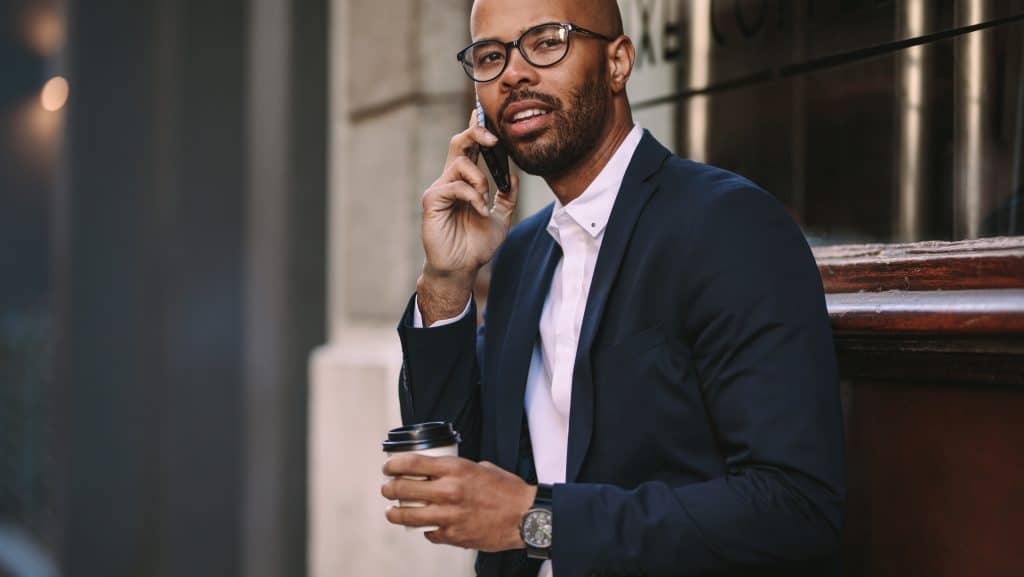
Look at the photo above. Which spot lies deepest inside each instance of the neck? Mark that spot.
(570, 185)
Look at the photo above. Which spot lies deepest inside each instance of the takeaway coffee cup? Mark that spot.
(436, 439)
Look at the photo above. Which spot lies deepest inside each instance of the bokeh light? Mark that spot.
(54, 94)
(42, 28)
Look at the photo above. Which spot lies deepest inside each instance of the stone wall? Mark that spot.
(397, 96)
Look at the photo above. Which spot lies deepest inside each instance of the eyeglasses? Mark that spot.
(542, 46)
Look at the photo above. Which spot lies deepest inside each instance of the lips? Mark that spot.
(525, 117)
(525, 114)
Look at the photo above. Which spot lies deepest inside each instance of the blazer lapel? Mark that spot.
(633, 195)
(520, 338)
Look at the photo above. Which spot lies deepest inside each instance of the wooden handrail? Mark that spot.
(991, 263)
(976, 312)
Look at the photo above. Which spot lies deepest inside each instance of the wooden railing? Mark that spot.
(930, 340)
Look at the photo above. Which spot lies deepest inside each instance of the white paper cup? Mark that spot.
(429, 439)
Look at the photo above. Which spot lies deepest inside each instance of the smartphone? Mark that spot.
(495, 157)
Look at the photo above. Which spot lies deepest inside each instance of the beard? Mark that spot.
(574, 134)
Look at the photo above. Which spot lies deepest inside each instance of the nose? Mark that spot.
(518, 72)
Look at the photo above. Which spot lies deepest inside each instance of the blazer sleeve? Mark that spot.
(440, 376)
(764, 354)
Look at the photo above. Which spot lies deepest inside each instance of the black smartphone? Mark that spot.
(495, 157)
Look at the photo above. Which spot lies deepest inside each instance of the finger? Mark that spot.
(467, 143)
(437, 537)
(441, 197)
(396, 489)
(505, 202)
(462, 168)
(429, 491)
(387, 490)
(411, 464)
(418, 516)
(445, 536)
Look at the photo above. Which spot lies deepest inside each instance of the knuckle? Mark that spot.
(452, 534)
(470, 170)
(454, 493)
(453, 466)
(455, 187)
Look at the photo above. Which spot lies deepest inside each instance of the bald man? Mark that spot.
(654, 391)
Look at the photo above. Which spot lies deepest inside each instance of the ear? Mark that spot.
(620, 62)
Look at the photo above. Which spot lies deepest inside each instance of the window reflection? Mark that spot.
(872, 120)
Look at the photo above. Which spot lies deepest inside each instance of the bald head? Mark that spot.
(598, 15)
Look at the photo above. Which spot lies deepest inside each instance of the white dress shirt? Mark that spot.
(578, 228)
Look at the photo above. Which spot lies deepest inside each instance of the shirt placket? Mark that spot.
(567, 331)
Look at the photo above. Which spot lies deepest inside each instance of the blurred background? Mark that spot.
(209, 227)
(162, 253)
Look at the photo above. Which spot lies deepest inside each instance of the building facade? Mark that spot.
(893, 132)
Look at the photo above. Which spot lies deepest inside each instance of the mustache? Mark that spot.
(527, 94)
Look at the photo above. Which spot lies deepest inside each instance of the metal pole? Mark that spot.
(912, 163)
(971, 134)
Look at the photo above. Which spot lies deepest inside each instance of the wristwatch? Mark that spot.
(535, 528)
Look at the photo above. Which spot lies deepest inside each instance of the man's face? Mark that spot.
(572, 97)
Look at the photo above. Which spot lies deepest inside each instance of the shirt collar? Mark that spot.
(592, 209)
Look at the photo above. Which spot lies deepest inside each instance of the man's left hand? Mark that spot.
(476, 505)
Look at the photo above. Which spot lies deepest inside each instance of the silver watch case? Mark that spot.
(535, 528)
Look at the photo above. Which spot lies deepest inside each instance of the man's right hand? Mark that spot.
(462, 228)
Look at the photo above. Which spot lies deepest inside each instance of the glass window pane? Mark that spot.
(872, 120)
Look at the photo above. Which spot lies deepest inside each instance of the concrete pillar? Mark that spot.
(397, 96)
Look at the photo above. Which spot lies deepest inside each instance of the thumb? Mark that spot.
(505, 202)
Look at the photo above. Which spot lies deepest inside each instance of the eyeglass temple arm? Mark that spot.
(585, 32)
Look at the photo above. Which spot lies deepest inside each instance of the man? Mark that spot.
(655, 382)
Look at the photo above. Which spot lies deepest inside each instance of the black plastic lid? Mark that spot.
(421, 436)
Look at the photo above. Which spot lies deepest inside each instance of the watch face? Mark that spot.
(537, 528)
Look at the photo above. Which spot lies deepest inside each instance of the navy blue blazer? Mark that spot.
(705, 432)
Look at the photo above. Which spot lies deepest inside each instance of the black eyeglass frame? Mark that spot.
(517, 44)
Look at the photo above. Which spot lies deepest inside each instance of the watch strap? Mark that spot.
(543, 500)
(545, 493)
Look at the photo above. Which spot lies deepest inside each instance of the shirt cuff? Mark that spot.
(417, 316)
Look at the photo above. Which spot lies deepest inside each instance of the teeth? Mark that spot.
(527, 114)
